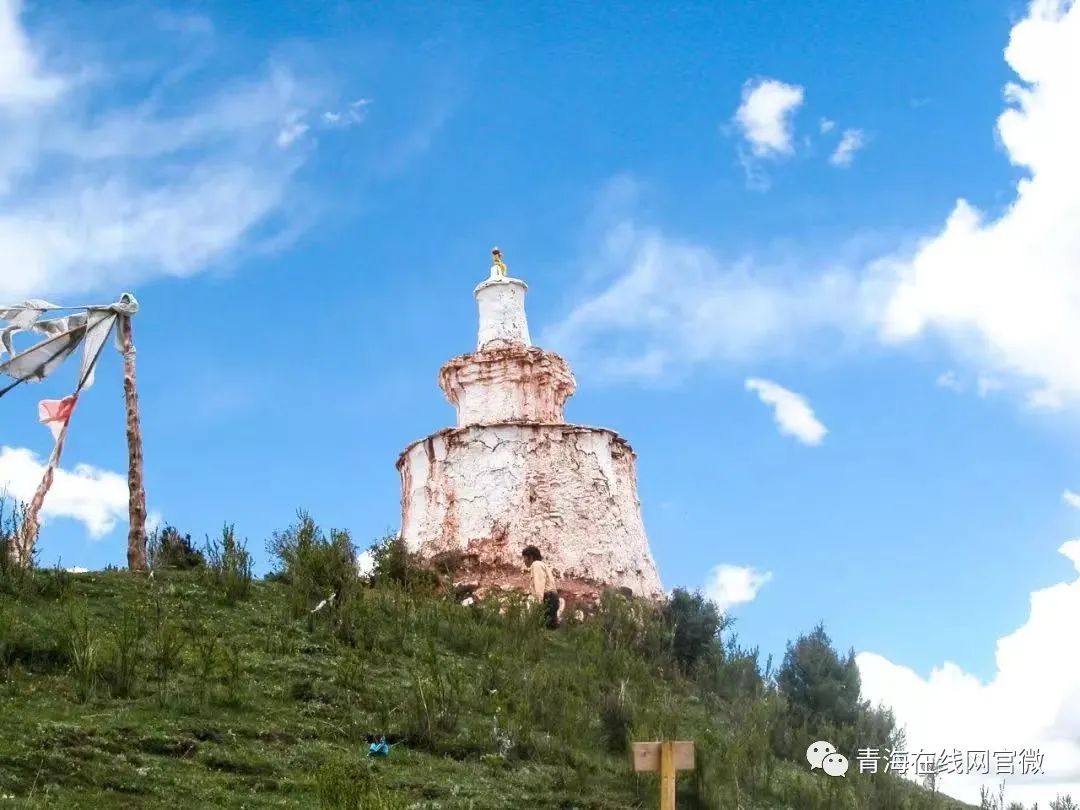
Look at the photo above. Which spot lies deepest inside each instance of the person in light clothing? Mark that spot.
(542, 584)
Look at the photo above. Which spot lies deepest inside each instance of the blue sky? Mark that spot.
(303, 196)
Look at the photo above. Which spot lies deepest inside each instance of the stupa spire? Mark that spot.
(501, 301)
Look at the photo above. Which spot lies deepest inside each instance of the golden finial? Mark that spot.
(497, 261)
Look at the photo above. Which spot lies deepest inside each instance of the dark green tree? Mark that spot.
(695, 623)
(822, 692)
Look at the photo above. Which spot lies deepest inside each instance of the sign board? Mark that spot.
(647, 756)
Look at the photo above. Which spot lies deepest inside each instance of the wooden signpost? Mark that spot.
(667, 757)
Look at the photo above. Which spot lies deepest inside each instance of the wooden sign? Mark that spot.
(667, 757)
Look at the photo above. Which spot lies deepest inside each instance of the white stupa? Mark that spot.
(513, 472)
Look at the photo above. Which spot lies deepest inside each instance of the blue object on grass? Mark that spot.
(379, 749)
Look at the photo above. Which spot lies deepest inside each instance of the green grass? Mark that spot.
(121, 691)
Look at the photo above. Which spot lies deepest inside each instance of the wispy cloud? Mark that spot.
(1004, 292)
(23, 80)
(1071, 498)
(792, 411)
(950, 380)
(850, 142)
(167, 183)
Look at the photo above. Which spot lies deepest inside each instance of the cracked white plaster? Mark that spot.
(514, 473)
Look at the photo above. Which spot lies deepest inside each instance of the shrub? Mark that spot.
(313, 565)
(435, 707)
(695, 623)
(83, 646)
(229, 564)
(123, 669)
(167, 548)
(392, 562)
(204, 644)
(166, 646)
(54, 583)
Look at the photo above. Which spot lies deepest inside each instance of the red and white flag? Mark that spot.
(56, 413)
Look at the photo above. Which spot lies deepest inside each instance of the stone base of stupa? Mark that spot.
(487, 491)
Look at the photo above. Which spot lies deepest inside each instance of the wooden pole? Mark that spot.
(667, 776)
(136, 554)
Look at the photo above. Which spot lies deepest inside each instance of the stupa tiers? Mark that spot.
(513, 472)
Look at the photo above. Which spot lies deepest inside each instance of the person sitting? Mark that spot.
(542, 584)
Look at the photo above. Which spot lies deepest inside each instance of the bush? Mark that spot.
(392, 562)
(229, 564)
(695, 623)
(122, 670)
(313, 565)
(83, 648)
(167, 548)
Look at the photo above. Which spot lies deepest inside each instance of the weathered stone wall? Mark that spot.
(490, 490)
(501, 302)
(512, 384)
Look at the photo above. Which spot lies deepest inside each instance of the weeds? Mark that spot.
(313, 565)
(228, 563)
(7, 634)
(232, 664)
(83, 645)
(345, 785)
(167, 643)
(617, 720)
(436, 705)
(204, 643)
(123, 672)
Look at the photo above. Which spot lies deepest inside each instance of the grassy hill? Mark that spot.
(191, 689)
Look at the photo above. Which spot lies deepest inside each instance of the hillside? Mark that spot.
(127, 691)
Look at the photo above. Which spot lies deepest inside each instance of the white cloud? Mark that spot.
(792, 412)
(1071, 498)
(97, 194)
(353, 114)
(1004, 292)
(1032, 700)
(22, 80)
(765, 116)
(292, 130)
(96, 498)
(826, 125)
(949, 379)
(850, 142)
(669, 305)
(730, 585)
